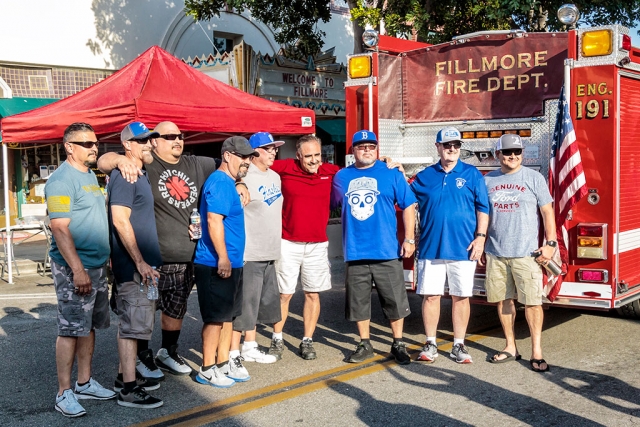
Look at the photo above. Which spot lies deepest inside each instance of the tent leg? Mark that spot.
(7, 214)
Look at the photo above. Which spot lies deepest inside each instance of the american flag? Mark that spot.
(567, 183)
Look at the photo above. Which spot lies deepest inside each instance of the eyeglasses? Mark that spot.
(248, 157)
(270, 149)
(366, 147)
(514, 151)
(85, 144)
(448, 145)
(172, 136)
(140, 141)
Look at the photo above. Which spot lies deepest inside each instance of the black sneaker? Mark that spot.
(145, 384)
(307, 351)
(277, 348)
(147, 367)
(363, 351)
(399, 351)
(138, 398)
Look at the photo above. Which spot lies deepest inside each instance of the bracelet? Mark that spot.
(241, 183)
(481, 235)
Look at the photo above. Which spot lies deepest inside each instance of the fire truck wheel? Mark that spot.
(631, 310)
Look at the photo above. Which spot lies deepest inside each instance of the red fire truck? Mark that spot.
(490, 83)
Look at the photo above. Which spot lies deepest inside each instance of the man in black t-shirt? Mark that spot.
(176, 181)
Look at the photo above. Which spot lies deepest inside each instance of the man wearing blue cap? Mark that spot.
(454, 207)
(263, 225)
(135, 253)
(368, 192)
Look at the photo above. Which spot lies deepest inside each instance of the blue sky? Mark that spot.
(635, 38)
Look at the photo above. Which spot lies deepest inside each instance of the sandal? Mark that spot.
(539, 363)
(509, 357)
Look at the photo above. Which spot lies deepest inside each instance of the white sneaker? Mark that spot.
(68, 405)
(147, 367)
(169, 360)
(254, 354)
(93, 390)
(236, 370)
(214, 377)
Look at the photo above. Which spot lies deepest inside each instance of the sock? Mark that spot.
(170, 338)
(223, 364)
(120, 376)
(248, 345)
(277, 336)
(397, 340)
(234, 353)
(143, 345)
(206, 368)
(458, 341)
(129, 386)
(84, 384)
(365, 340)
(307, 339)
(432, 339)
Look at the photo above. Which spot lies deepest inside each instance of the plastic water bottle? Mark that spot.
(197, 225)
(152, 290)
(137, 278)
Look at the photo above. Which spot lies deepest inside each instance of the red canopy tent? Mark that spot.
(153, 88)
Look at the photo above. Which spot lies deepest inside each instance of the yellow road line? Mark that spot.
(273, 394)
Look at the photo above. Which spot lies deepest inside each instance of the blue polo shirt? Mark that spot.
(219, 196)
(448, 203)
(368, 198)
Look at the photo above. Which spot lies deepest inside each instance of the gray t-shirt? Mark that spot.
(263, 215)
(514, 201)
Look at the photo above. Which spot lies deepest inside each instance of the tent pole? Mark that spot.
(7, 215)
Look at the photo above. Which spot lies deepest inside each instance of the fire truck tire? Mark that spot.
(631, 310)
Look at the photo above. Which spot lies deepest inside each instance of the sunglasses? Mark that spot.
(365, 147)
(172, 136)
(140, 141)
(514, 151)
(270, 149)
(448, 145)
(248, 157)
(85, 144)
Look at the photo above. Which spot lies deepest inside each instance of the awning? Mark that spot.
(11, 106)
(333, 130)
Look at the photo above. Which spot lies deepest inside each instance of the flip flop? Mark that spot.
(539, 362)
(510, 357)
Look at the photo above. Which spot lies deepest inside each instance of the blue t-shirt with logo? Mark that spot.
(448, 202)
(219, 196)
(368, 198)
(76, 195)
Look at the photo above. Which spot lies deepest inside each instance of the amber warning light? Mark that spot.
(360, 67)
(592, 240)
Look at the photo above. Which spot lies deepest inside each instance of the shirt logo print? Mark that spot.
(177, 189)
(362, 196)
(270, 194)
(460, 182)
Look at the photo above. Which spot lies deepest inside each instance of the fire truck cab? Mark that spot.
(490, 83)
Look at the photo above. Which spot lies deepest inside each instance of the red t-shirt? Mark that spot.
(305, 210)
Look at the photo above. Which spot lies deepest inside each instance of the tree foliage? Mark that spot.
(433, 21)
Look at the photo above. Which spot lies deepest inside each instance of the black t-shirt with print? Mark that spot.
(176, 192)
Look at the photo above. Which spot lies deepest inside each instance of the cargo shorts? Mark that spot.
(79, 314)
(136, 313)
(511, 277)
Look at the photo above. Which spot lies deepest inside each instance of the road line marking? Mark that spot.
(279, 392)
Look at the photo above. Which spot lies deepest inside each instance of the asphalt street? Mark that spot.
(594, 378)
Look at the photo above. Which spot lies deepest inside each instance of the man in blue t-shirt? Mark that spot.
(454, 209)
(368, 192)
(79, 252)
(219, 259)
(134, 254)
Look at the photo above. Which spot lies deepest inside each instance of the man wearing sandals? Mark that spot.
(515, 195)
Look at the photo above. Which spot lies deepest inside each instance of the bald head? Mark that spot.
(170, 144)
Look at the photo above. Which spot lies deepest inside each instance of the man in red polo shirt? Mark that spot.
(306, 188)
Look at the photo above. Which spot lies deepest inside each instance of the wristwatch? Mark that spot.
(552, 243)
(410, 241)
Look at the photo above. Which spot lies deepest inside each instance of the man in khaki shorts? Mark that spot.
(516, 194)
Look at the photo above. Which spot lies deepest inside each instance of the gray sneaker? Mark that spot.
(138, 398)
(429, 353)
(67, 404)
(460, 354)
(93, 390)
(277, 348)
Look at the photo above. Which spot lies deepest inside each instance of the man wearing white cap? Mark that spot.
(368, 192)
(516, 194)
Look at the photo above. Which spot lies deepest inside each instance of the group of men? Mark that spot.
(263, 228)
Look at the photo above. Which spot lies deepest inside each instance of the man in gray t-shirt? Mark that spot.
(263, 229)
(516, 194)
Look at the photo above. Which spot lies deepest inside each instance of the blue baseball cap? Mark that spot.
(262, 139)
(363, 136)
(448, 134)
(137, 130)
